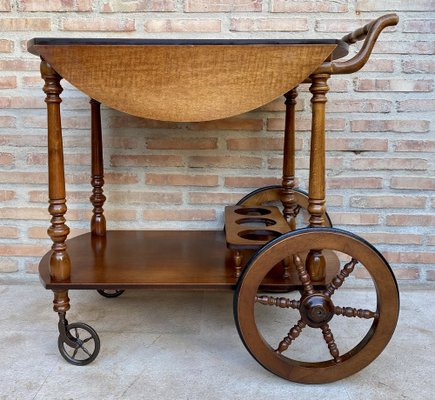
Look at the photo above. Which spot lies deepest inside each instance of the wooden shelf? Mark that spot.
(159, 260)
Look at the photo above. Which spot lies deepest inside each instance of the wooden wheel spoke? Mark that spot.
(281, 302)
(354, 312)
(341, 276)
(304, 277)
(329, 339)
(291, 336)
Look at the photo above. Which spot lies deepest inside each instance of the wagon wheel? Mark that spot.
(350, 336)
(271, 195)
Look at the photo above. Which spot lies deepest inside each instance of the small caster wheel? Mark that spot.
(87, 344)
(110, 293)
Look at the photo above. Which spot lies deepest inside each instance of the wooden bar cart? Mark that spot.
(266, 250)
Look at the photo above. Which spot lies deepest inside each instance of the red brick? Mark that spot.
(412, 182)
(6, 46)
(229, 124)
(54, 5)
(385, 201)
(356, 144)
(6, 195)
(123, 178)
(342, 25)
(308, 6)
(410, 257)
(259, 144)
(175, 143)
(138, 6)
(182, 25)
(430, 275)
(418, 66)
(392, 238)
(222, 5)
(22, 102)
(353, 182)
(149, 160)
(41, 196)
(31, 81)
(214, 198)
(335, 163)
(6, 158)
(5, 5)
(410, 220)
(8, 82)
(415, 146)
(19, 65)
(370, 163)
(97, 24)
(70, 159)
(224, 162)
(27, 177)
(179, 215)
(332, 124)
(278, 105)
(40, 121)
(132, 197)
(128, 121)
(394, 5)
(7, 121)
(23, 213)
(360, 106)
(354, 218)
(251, 181)
(8, 266)
(419, 25)
(393, 125)
(379, 65)
(407, 274)
(416, 105)
(339, 85)
(25, 24)
(404, 48)
(181, 180)
(431, 240)
(9, 232)
(394, 85)
(269, 24)
(121, 215)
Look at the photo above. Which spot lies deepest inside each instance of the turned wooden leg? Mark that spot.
(288, 171)
(316, 202)
(98, 221)
(60, 266)
(237, 258)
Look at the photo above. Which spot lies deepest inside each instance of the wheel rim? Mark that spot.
(110, 292)
(87, 344)
(272, 195)
(384, 317)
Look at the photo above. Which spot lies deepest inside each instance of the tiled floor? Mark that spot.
(184, 345)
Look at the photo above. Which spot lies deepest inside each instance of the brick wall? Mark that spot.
(380, 129)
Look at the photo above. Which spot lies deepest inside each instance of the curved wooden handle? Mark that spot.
(370, 33)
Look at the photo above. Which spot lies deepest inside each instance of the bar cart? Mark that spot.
(264, 252)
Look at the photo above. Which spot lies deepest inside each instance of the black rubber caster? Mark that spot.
(110, 293)
(86, 344)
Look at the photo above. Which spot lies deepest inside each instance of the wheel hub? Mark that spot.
(316, 310)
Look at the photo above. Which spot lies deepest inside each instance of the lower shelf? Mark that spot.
(159, 260)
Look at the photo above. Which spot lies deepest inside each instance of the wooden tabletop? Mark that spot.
(185, 80)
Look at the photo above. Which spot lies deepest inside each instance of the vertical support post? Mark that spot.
(288, 170)
(98, 221)
(316, 202)
(60, 265)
